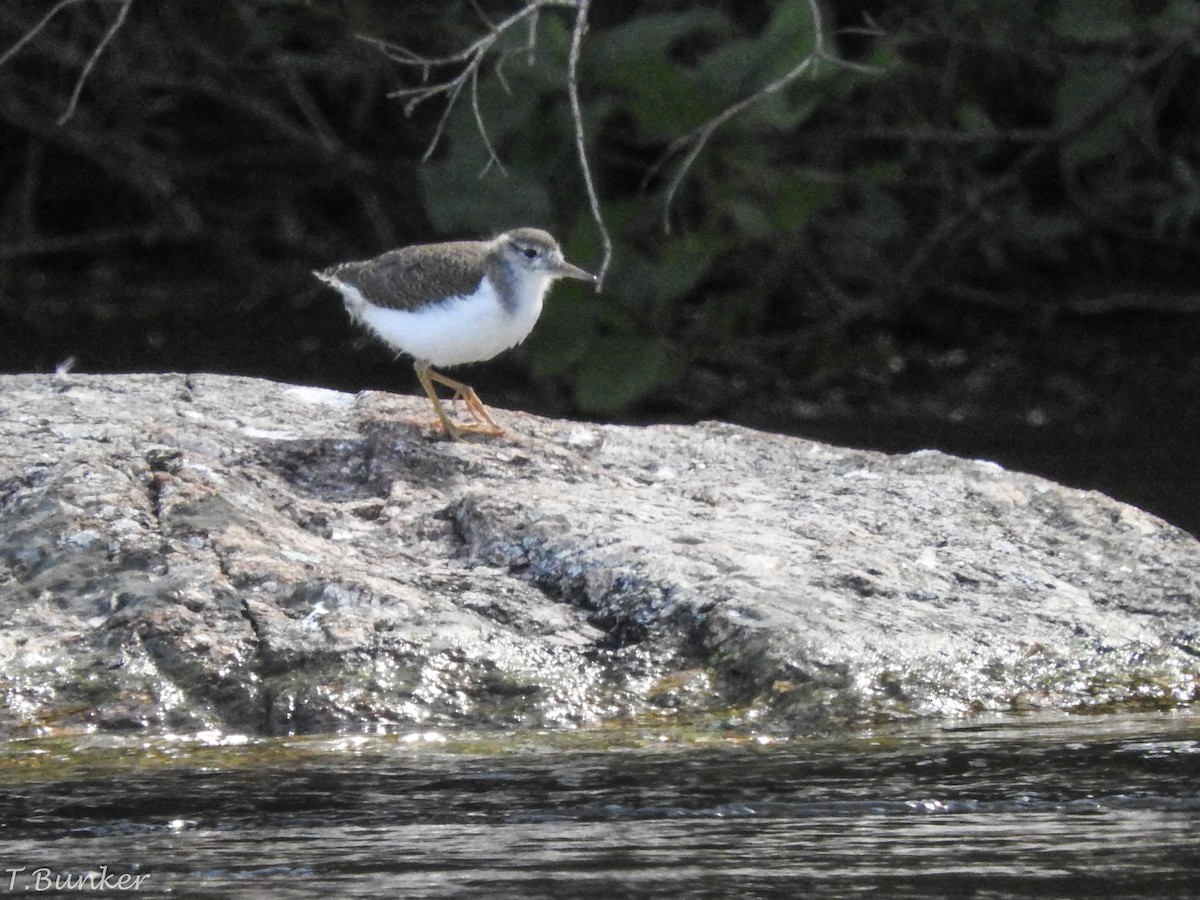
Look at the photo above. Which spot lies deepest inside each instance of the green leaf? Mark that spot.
(1094, 20)
(732, 70)
(566, 331)
(652, 282)
(1081, 90)
(790, 35)
(620, 369)
(972, 117)
(1178, 15)
(884, 172)
(661, 98)
(749, 216)
(634, 59)
(764, 201)
(796, 201)
(653, 34)
(1080, 93)
(742, 66)
(785, 112)
(457, 199)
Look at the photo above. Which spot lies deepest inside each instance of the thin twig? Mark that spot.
(956, 225)
(585, 168)
(456, 89)
(36, 29)
(90, 64)
(492, 159)
(696, 139)
(532, 42)
(92, 59)
(529, 47)
(484, 17)
(469, 53)
(469, 60)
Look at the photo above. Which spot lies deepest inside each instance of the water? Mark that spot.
(1106, 806)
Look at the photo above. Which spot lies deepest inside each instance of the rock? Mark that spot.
(194, 552)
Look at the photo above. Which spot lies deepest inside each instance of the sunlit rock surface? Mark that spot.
(210, 552)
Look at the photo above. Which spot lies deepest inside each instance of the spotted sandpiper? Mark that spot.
(455, 302)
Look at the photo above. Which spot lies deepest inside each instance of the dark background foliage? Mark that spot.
(983, 237)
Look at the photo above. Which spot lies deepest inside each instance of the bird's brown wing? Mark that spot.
(411, 277)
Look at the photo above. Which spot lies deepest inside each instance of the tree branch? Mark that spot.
(696, 139)
(470, 60)
(1041, 143)
(36, 29)
(104, 41)
(580, 142)
(90, 64)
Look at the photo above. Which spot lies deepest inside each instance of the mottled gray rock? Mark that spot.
(209, 552)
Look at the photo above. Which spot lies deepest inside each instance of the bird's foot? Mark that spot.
(456, 430)
(484, 424)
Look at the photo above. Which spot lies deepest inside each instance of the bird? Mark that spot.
(454, 302)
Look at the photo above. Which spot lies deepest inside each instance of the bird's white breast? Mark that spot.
(463, 329)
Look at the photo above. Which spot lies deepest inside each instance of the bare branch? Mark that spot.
(529, 48)
(92, 59)
(493, 159)
(484, 17)
(472, 53)
(87, 69)
(957, 226)
(36, 29)
(532, 42)
(88, 241)
(585, 168)
(469, 60)
(696, 140)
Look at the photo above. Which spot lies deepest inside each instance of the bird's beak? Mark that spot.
(566, 270)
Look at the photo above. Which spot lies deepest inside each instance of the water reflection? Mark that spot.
(1086, 808)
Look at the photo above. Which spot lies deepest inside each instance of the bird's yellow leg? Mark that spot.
(487, 425)
(424, 375)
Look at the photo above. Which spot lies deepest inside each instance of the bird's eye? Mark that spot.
(530, 253)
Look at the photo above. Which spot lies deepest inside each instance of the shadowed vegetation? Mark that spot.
(957, 215)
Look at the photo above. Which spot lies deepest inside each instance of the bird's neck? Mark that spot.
(518, 291)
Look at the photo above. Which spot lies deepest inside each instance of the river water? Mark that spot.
(1104, 806)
